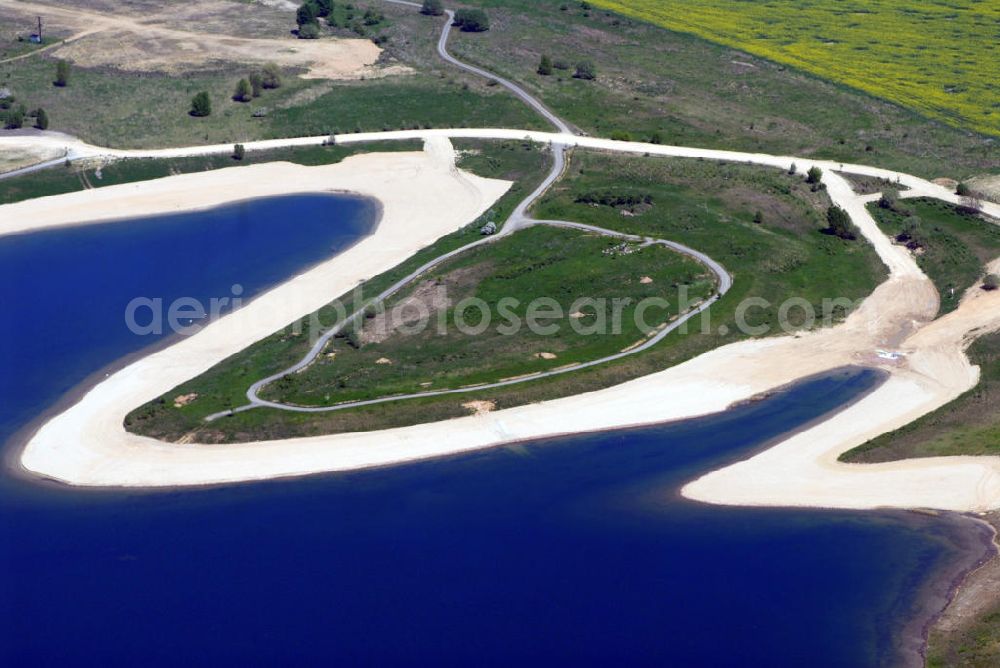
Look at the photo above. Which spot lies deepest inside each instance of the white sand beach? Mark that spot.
(87, 444)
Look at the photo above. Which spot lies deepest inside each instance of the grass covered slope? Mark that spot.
(970, 425)
(708, 206)
(383, 356)
(953, 246)
(655, 83)
(932, 56)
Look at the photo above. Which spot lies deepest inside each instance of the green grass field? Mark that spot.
(110, 108)
(536, 263)
(938, 57)
(706, 205)
(692, 92)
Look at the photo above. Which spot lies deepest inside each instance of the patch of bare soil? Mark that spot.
(429, 297)
(480, 407)
(987, 186)
(184, 37)
(16, 157)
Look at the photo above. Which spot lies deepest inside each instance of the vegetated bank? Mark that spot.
(952, 244)
(81, 175)
(384, 356)
(764, 225)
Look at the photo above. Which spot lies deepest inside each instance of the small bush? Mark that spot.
(62, 74)
(41, 119)
(889, 199)
(839, 224)
(243, 91)
(271, 76)
(545, 66)
(814, 175)
(991, 282)
(585, 70)
(432, 8)
(238, 152)
(201, 105)
(963, 190)
(309, 31)
(472, 20)
(256, 84)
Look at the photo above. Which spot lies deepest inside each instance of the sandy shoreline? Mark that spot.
(88, 446)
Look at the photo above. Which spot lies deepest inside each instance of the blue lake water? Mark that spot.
(569, 551)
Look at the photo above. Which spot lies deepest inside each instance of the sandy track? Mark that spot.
(154, 43)
(87, 445)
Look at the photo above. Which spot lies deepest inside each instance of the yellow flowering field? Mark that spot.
(938, 57)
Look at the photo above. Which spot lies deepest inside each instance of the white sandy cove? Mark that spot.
(87, 444)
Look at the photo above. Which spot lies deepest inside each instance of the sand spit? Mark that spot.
(87, 445)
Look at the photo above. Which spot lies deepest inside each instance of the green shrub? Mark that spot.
(585, 70)
(201, 105)
(432, 8)
(472, 20)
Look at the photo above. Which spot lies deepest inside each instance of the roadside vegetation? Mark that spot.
(380, 357)
(608, 74)
(927, 56)
(952, 244)
(970, 425)
(709, 206)
(84, 175)
(655, 85)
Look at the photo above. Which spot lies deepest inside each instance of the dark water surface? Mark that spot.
(569, 551)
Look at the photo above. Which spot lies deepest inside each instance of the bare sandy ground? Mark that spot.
(181, 37)
(15, 155)
(87, 444)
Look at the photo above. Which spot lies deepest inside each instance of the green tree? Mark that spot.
(889, 199)
(758, 217)
(910, 233)
(793, 168)
(271, 76)
(256, 84)
(963, 190)
(309, 31)
(432, 8)
(306, 14)
(472, 20)
(545, 66)
(839, 224)
(201, 104)
(991, 282)
(585, 70)
(62, 74)
(814, 175)
(41, 119)
(324, 7)
(15, 117)
(239, 151)
(243, 91)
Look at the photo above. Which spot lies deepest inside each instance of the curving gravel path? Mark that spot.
(517, 220)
